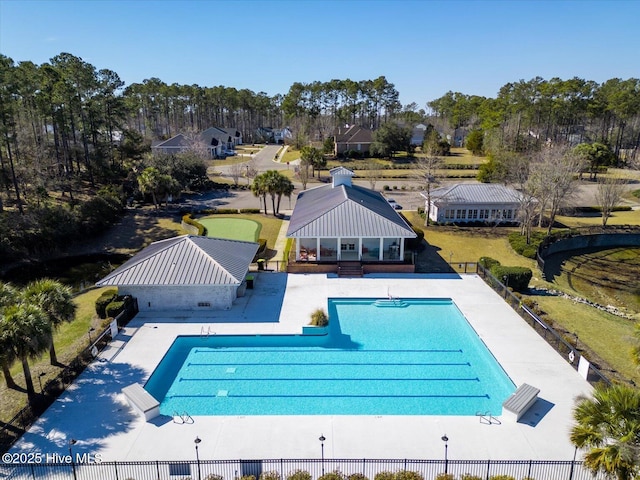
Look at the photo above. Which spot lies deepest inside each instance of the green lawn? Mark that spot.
(604, 338)
(70, 339)
(270, 225)
(232, 228)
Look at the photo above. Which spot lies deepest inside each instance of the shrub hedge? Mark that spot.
(104, 300)
(517, 278)
(519, 243)
(189, 220)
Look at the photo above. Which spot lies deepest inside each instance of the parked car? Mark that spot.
(394, 204)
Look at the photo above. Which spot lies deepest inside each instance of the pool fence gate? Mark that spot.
(304, 469)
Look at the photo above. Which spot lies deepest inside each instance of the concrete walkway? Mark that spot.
(93, 411)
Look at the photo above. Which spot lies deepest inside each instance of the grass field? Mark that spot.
(608, 277)
(70, 339)
(231, 228)
(269, 225)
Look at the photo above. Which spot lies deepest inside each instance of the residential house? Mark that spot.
(417, 135)
(341, 222)
(215, 141)
(465, 202)
(356, 138)
(185, 273)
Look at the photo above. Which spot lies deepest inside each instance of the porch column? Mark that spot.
(339, 249)
(401, 249)
(297, 249)
(318, 249)
(381, 252)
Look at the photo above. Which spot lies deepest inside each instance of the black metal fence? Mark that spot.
(568, 352)
(11, 431)
(306, 469)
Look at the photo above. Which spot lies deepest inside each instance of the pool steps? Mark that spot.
(391, 302)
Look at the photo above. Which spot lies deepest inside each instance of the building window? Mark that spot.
(204, 304)
(474, 214)
(509, 214)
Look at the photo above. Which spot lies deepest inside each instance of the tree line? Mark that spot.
(68, 128)
(525, 115)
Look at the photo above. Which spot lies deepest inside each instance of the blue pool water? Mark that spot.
(412, 357)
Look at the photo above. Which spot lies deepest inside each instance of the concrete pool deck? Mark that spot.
(93, 411)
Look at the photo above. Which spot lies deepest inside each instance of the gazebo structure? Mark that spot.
(345, 222)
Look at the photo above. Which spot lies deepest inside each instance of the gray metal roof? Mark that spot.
(178, 140)
(186, 260)
(476, 194)
(345, 211)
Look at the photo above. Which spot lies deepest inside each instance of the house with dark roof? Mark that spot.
(214, 140)
(464, 203)
(356, 138)
(342, 222)
(185, 273)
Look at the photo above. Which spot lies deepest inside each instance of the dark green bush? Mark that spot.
(105, 299)
(383, 476)
(299, 475)
(250, 210)
(335, 475)
(226, 211)
(407, 475)
(519, 243)
(271, 475)
(114, 308)
(517, 278)
(319, 318)
(357, 476)
(488, 262)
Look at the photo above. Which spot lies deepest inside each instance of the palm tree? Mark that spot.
(259, 189)
(8, 296)
(56, 301)
(27, 331)
(609, 426)
(149, 182)
(285, 188)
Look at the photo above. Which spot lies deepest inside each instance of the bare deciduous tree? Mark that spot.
(236, 171)
(554, 170)
(608, 195)
(425, 171)
(303, 172)
(374, 173)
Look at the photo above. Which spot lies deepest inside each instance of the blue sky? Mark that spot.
(425, 48)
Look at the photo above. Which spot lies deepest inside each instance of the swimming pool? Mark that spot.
(380, 357)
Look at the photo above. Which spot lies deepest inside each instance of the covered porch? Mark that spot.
(363, 249)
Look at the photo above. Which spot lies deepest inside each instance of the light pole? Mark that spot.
(505, 279)
(72, 442)
(445, 439)
(89, 333)
(197, 442)
(322, 439)
(40, 375)
(575, 452)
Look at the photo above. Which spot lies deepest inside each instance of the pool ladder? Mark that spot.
(205, 332)
(488, 419)
(183, 417)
